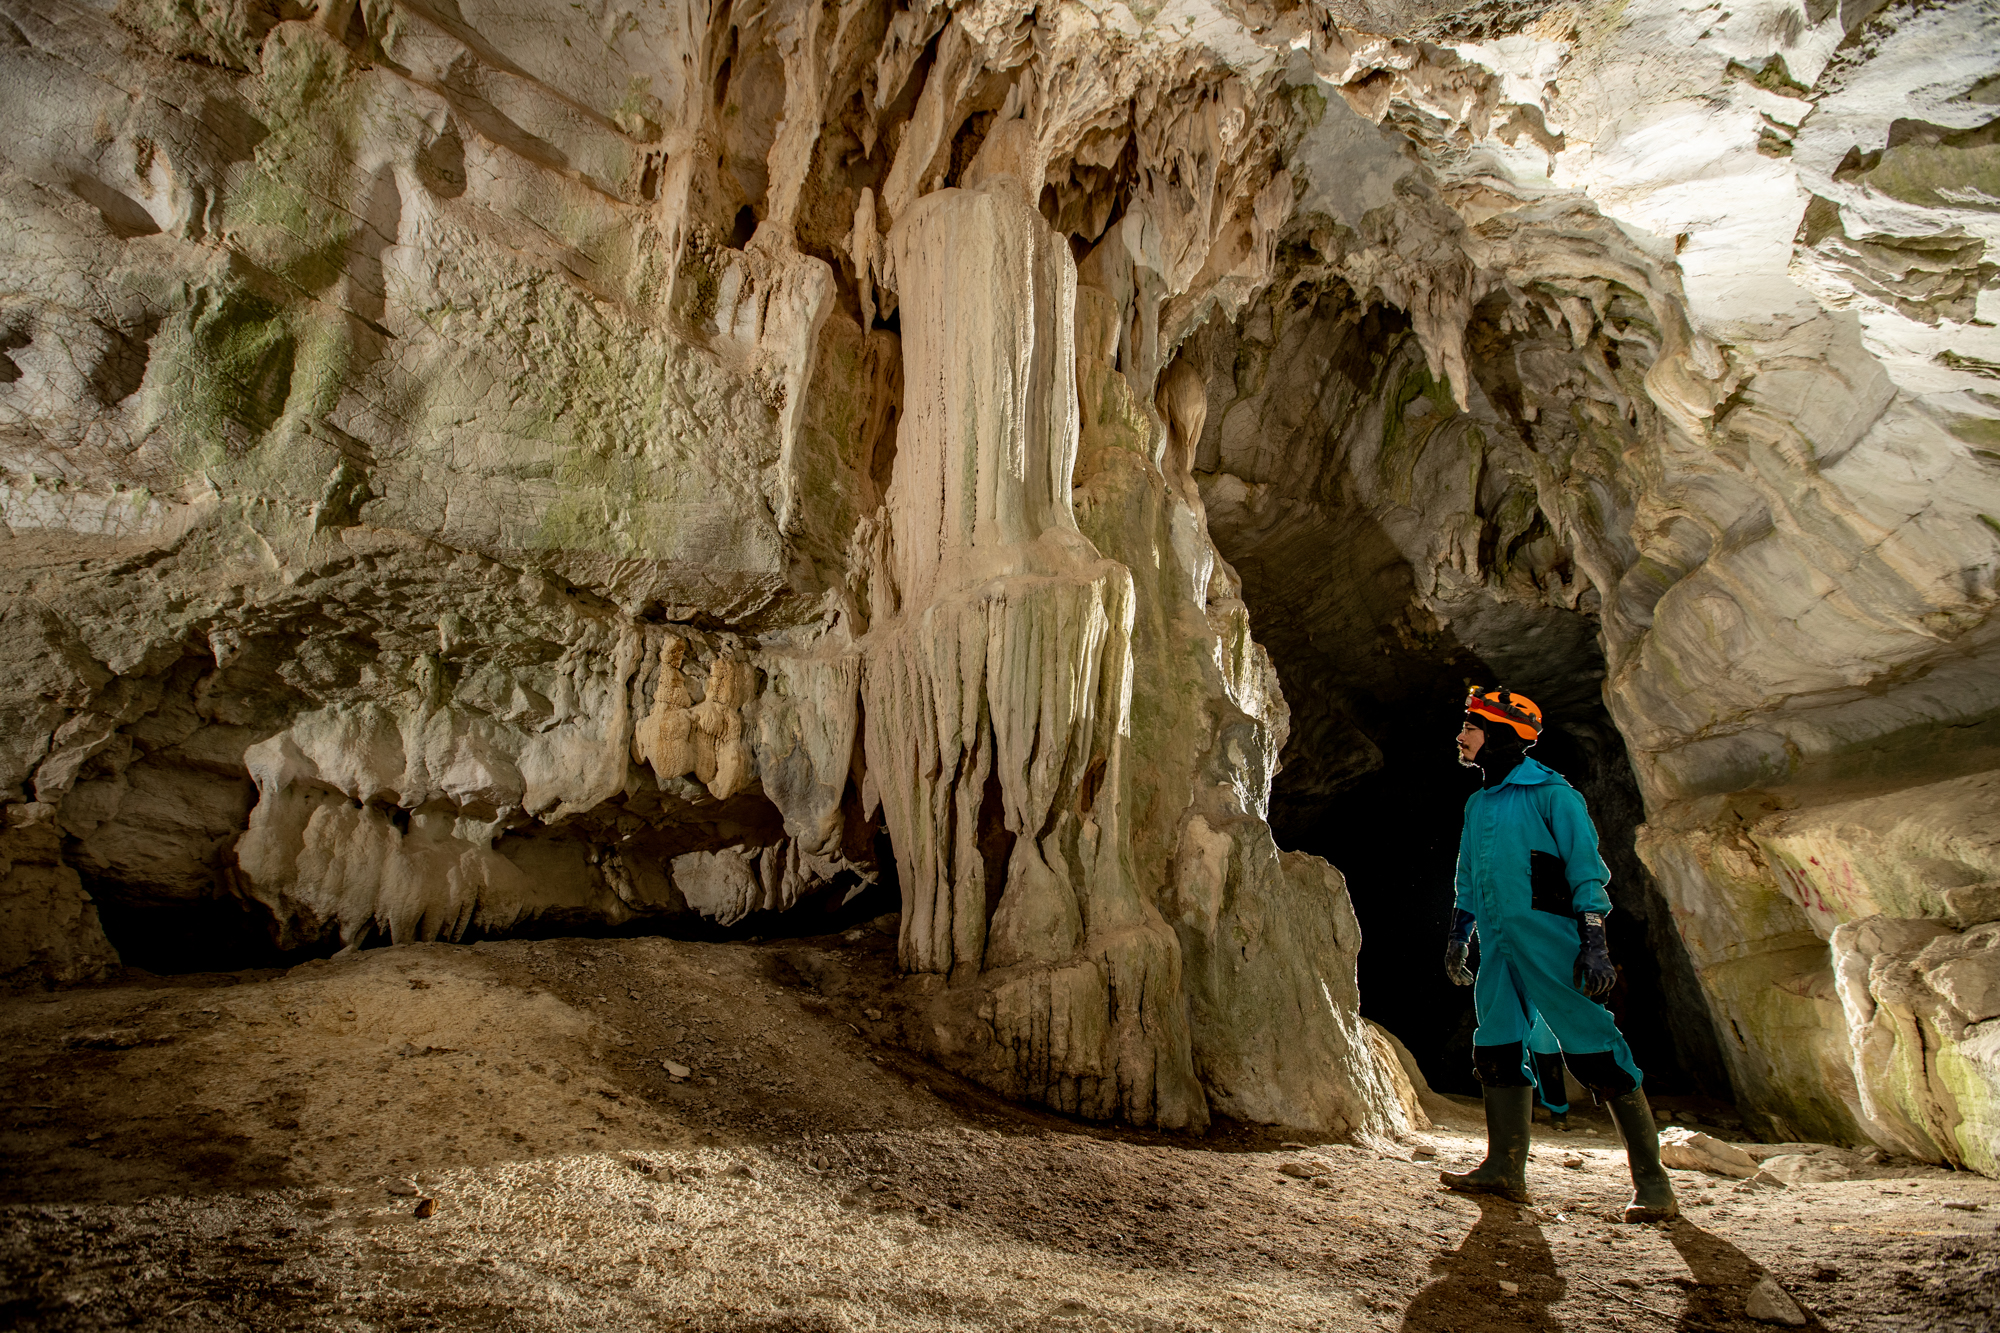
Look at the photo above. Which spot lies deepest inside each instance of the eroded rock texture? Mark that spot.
(1685, 387)
(502, 466)
(482, 468)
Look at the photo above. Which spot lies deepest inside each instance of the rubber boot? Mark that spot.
(1559, 1121)
(1652, 1192)
(1505, 1170)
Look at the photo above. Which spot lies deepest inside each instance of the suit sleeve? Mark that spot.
(1576, 840)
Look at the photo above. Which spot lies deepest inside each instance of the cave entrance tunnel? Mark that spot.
(1375, 661)
(1371, 781)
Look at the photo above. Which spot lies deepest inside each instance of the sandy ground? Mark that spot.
(491, 1137)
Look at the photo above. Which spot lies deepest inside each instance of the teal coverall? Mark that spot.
(1545, 1067)
(1527, 953)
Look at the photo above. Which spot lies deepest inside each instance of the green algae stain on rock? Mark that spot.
(225, 377)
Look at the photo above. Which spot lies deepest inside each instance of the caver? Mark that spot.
(1531, 884)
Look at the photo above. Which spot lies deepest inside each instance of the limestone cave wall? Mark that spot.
(491, 466)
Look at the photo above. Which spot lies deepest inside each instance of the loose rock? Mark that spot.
(1768, 1304)
(1690, 1150)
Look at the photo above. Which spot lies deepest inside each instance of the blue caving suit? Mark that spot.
(1528, 952)
(1545, 1067)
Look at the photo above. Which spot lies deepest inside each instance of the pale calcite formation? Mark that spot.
(496, 467)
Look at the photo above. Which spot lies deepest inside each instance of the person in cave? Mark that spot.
(1532, 886)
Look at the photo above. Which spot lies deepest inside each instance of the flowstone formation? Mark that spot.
(488, 468)
(507, 467)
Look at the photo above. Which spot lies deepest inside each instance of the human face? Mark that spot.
(1470, 737)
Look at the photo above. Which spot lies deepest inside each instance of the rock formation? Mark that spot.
(481, 468)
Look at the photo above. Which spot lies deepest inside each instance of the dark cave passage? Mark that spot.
(1393, 552)
(1394, 834)
(221, 933)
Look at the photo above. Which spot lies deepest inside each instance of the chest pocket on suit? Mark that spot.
(1548, 885)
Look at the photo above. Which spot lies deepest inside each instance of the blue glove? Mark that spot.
(1595, 976)
(1456, 944)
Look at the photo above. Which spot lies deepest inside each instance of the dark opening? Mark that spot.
(218, 934)
(744, 227)
(995, 839)
(722, 70)
(1376, 681)
(1394, 834)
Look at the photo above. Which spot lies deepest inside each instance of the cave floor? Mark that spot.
(254, 1151)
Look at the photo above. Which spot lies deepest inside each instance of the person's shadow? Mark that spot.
(1465, 1291)
(1724, 1273)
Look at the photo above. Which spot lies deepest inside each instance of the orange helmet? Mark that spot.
(1515, 710)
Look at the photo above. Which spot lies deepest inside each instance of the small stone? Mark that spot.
(1573, 1162)
(1423, 1150)
(1687, 1150)
(1634, 1283)
(402, 1189)
(1962, 1205)
(821, 1162)
(1301, 1170)
(742, 1170)
(1510, 1288)
(1321, 1183)
(1768, 1304)
(425, 1208)
(676, 1068)
(872, 1015)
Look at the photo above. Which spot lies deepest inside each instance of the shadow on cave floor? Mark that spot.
(250, 1149)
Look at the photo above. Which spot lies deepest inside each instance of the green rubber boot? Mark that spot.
(1652, 1192)
(1505, 1170)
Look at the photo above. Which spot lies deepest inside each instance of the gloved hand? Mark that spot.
(1595, 976)
(1455, 948)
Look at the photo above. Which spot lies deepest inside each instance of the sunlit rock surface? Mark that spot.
(495, 467)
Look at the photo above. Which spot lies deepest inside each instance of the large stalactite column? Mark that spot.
(998, 696)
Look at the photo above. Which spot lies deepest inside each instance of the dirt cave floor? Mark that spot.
(626, 1134)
